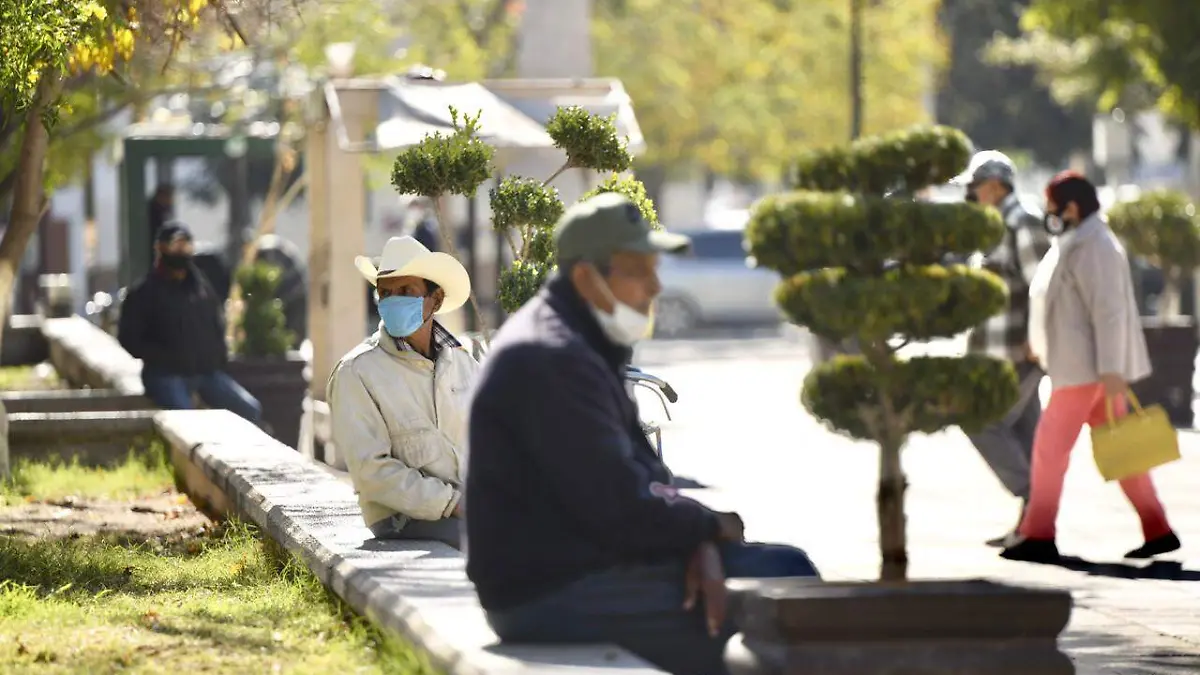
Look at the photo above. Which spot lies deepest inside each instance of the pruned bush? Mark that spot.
(864, 232)
(921, 303)
(262, 327)
(1163, 227)
(903, 161)
(524, 210)
(862, 261)
(934, 393)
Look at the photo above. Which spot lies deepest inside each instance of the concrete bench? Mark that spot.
(86, 356)
(416, 589)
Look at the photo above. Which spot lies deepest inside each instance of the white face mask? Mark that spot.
(625, 326)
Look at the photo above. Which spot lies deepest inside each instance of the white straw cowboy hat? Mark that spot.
(407, 257)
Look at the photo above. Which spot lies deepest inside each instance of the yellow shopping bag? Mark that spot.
(1135, 443)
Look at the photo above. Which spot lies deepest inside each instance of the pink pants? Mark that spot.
(1069, 409)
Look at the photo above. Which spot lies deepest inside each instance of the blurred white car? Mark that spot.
(713, 284)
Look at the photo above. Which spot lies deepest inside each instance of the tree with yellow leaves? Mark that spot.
(51, 48)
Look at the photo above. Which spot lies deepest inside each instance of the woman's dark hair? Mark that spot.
(1071, 186)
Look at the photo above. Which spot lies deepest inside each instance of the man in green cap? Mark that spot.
(574, 531)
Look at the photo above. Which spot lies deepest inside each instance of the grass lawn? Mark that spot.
(29, 378)
(220, 602)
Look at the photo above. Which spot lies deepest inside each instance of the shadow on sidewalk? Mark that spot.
(1164, 570)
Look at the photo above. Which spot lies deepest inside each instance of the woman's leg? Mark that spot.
(1139, 490)
(1057, 431)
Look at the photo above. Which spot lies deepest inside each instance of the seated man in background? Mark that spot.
(575, 532)
(398, 400)
(174, 322)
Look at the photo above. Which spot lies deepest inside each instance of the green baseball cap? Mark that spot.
(596, 228)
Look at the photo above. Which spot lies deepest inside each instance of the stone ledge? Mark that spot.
(86, 356)
(414, 588)
(72, 400)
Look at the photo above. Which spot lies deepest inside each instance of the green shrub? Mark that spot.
(921, 303)
(590, 141)
(903, 161)
(633, 190)
(454, 163)
(933, 392)
(864, 267)
(262, 328)
(521, 203)
(862, 232)
(523, 209)
(1163, 227)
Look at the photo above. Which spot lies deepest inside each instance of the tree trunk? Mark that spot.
(1169, 301)
(889, 504)
(27, 190)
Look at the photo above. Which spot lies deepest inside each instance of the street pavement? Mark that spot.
(739, 428)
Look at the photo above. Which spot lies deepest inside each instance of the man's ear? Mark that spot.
(438, 297)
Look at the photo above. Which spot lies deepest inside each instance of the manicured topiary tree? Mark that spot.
(1161, 226)
(262, 330)
(857, 264)
(524, 210)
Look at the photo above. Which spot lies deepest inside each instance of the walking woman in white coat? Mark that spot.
(1085, 330)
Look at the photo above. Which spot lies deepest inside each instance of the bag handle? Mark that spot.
(1133, 400)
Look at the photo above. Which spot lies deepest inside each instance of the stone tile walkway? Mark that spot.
(739, 428)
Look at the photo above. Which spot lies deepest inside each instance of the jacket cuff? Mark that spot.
(455, 497)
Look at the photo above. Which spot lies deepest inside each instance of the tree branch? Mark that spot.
(495, 16)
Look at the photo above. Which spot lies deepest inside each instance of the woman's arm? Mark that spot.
(1100, 272)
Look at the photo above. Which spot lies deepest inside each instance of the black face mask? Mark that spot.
(176, 261)
(1055, 224)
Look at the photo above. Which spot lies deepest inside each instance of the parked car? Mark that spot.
(713, 284)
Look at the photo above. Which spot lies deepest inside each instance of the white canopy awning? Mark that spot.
(413, 109)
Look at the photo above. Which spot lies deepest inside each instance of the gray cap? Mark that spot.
(988, 165)
(596, 228)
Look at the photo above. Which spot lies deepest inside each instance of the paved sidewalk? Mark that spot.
(739, 428)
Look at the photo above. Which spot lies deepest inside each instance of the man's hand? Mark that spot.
(460, 511)
(705, 579)
(732, 528)
(1114, 385)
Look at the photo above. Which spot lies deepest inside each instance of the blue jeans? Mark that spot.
(216, 389)
(640, 608)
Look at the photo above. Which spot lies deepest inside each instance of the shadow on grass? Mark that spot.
(117, 564)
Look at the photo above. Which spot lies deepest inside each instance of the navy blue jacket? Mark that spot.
(560, 473)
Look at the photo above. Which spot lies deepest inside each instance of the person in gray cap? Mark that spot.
(575, 532)
(1007, 445)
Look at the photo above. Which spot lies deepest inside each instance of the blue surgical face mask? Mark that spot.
(402, 315)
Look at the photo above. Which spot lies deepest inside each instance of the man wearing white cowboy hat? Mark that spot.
(398, 400)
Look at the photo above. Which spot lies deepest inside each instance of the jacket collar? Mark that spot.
(1091, 226)
(576, 314)
(443, 342)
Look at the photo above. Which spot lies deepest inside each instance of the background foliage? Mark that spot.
(1127, 53)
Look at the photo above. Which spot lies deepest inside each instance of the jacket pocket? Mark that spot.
(417, 448)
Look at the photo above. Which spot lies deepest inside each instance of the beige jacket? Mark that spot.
(400, 421)
(1090, 324)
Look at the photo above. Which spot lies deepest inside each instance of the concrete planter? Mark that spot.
(280, 385)
(800, 627)
(1172, 343)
